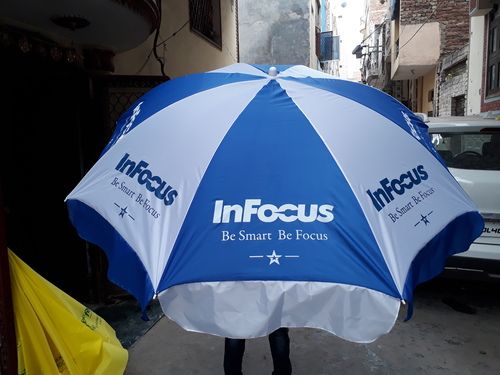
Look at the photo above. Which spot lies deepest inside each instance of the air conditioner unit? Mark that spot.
(480, 7)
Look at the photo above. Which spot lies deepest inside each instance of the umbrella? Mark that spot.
(254, 197)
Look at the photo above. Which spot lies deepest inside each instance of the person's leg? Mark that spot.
(280, 351)
(233, 356)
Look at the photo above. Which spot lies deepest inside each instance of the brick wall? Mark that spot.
(377, 11)
(453, 16)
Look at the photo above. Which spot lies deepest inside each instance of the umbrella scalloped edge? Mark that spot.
(248, 309)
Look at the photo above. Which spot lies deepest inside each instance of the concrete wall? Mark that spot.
(475, 65)
(275, 31)
(418, 44)
(419, 50)
(315, 22)
(186, 52)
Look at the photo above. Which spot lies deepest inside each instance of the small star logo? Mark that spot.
(424, 219)
(123, 211)
(274, 258)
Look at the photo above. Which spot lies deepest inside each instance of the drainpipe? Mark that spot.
(237, 31)
(437, 90)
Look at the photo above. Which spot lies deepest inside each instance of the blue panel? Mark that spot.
(377, 101)
(455, 238)
(125, 269)
(272, 153)
(170, 92)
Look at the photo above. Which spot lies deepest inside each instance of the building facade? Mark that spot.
(329, 24)
(425, 44)
(375, 46)
(443, 56)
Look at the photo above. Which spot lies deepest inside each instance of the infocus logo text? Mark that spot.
(406, 181)
(269, 213)
(154, 184)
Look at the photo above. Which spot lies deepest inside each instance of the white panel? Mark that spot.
(368, 147)
(178, 142)
(301, 71)
(240, 68)
(248, 309)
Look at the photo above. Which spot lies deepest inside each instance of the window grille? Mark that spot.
(205, 20)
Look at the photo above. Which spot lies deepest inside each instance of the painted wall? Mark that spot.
(428, 83)
(452, 15)
(419, 50)
(414, 47)
(186, 52)
(275, 31)
(475, 65)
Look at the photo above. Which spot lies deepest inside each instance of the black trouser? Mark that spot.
(280, 351)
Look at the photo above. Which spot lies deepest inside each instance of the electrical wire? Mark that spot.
(375, 29)
(160, 44)
(425, 22)
(409, 40)
(173, 34)
(145, 62)
(155, 43)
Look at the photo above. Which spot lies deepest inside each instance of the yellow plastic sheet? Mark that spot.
(56, 334)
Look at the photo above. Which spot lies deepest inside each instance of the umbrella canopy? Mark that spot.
(251, 197)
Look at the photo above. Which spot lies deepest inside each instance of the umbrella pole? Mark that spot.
(8, 347)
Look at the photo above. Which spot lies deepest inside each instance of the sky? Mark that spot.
(349, 14)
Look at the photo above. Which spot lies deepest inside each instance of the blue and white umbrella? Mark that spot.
(249, 199)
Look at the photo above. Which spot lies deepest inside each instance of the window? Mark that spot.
(492, 83)
(430, 95)
(458, 105)
(471, 150)
(205, 20)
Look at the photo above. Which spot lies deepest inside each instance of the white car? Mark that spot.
(470, 147)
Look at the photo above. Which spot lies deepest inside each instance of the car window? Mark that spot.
(469, 150)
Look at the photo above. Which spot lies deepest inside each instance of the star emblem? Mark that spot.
(123, 211)
(274, 258)
(424, 219)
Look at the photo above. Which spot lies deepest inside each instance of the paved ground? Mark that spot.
(126, 318)
(455, 330)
